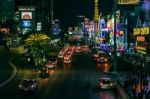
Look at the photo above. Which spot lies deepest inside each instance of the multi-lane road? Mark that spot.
(67, 81)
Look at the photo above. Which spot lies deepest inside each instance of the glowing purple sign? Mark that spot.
(146, 5)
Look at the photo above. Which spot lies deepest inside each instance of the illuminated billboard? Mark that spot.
(140, 38)
(56, 27)
(26, 23)
(26, 15)
(27, 19)
(128, 2)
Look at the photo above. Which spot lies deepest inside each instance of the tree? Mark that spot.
(37, 44)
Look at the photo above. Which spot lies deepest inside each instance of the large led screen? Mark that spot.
(26, 23)
(26, 15)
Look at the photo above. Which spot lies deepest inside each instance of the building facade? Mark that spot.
(42, 12)
(7, 10)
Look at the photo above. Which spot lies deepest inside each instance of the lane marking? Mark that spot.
(13, 75)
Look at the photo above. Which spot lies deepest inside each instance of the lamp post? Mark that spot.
(52, 16)
(80, 20)
(115, 60)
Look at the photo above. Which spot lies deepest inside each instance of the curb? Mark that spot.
(122, 92)
(13, 75)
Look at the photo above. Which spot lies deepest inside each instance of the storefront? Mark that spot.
(141, 57)
(142, 40)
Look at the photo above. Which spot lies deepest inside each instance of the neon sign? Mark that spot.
(140, 38)
(26, 15)
(128, 2)
(141, 48)
(141, 31)
(26, 8)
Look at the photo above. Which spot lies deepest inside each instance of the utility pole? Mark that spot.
(52, 15)
(115, 56)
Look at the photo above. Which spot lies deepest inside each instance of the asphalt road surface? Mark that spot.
(67, 81)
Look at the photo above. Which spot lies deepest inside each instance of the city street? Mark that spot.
(68, 81)
(75, 49)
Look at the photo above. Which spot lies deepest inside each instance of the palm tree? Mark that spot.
(38, 43)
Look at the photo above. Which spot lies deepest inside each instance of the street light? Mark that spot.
(52, 16)
(115, 60)
(80, 20)
(115, 45)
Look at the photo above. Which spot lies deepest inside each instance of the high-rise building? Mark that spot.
(96, 16)
(7, 10)
(128, 2)
(42, 11)
(128, 12)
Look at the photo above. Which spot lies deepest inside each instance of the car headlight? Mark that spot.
(20, 86)
(32, 86)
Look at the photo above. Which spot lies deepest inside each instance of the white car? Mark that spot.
(60, 55)
(67, 58)
(52, 63)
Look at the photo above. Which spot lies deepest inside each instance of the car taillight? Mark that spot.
(101, 84)
(111, 84)
(96, 56)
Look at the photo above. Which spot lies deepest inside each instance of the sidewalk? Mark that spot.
(135, 82)
(133, 87)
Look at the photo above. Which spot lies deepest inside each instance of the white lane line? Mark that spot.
(13, 75)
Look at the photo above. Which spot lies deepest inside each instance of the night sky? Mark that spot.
(67, 10)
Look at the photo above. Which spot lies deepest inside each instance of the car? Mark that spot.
(52, 63)
(96, 53)
(78, 49)
(67, 58)
(95, 56)
(28, 85)
(102, 58)
(85, 48)
(69, 52)
(106, 83)
(60, 55)
(44, 72)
